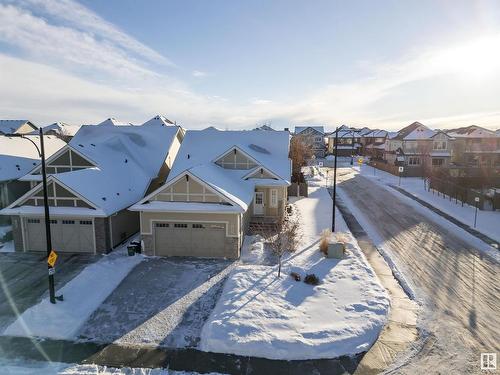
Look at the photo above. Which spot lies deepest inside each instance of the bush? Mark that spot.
(295, 275)
(311, 279)
(324, 241)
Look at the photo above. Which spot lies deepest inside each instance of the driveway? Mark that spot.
(162, 302)
(24, 282)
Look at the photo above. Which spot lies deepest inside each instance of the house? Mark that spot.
(18, 156)
(61, 129)
(314, 136)
(264, 127)
(373, 143)
(348, 139)
(16, 127)
(221, 181)
(475, 147)
(92, 181)
(419, 149)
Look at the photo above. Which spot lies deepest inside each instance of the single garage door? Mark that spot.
(73, 235)
(190, 239)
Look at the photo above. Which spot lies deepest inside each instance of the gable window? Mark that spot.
(235, 159)
(439, 145)
(318, 139)
(437, 162)
(274, 198)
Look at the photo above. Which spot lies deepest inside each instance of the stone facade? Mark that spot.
(232, 248)
(102, 235)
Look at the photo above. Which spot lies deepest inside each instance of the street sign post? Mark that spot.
(52, 258)
(400, 169)
(476, 201)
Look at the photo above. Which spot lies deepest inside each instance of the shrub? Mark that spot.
(295, 275)
(324, 241)
(311, 279)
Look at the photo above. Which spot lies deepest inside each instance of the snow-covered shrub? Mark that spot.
(326, 236)
(311, 279)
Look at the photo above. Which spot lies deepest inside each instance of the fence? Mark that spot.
(461, 195)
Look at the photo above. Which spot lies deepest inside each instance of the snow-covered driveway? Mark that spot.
(162, 302)
(261, 315)
(458, 284)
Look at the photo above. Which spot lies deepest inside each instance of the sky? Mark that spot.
(240, 64)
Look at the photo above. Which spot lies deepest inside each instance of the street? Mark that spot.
(458, 285)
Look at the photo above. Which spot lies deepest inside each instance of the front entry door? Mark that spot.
(258, 203)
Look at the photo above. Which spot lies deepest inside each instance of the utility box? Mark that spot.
(336, 250)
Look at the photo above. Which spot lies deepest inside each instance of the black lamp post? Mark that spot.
(41, 153)
(334, 197)
(352, 148)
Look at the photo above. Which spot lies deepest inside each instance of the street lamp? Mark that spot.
(41, 154)
(476, 201)
(334, 197)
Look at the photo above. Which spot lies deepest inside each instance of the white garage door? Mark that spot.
(190, 239)
(68, 235)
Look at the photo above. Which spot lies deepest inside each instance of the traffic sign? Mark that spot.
(51, 260)
(401, 169)
(52, 271)
(360, 161)
(320, 163)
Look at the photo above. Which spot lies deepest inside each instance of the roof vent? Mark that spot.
(103, 198)
(79, 144)
(188, 156)
(126, 160)
(92, 144)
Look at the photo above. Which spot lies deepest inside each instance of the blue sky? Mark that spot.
(234, 64)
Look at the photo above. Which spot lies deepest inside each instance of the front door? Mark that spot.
(258, 203)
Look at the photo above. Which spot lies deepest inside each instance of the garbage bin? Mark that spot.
(131, 250)
(137, 246)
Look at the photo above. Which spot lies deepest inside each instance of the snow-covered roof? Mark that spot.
(201, 148)
(127, 158)
(159, 120)
(300, 129)
(60, 128)
(376, 134)
(472, 131)
(11, 126)
(414, 131)
(18, 156)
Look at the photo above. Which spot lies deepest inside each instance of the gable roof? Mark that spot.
(472, 131)
(414, 131)
(12, 126)
(60, 128)
(18, 156)
(300, 129)
(127, 157)
(200, 148)
(159, 120)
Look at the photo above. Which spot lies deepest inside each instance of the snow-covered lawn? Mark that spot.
(261, 315)
(21, 367)
(82, 296)
(488, 222)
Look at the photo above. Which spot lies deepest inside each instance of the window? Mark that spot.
(318, 139)
(198, 226)
(274, 198)
(53, 221)
(180, 225)
(85, 222)
(68, 222)
(413, 160)
(34, 221)
(439, 145)
(162, 225)
(437, 162)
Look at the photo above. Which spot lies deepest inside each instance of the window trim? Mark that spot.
(274, 199)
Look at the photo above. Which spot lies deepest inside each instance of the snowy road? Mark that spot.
(458, 285)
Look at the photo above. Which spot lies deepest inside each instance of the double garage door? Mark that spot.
(74, 235)
(190, 239)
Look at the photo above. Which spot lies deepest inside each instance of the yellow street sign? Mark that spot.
(360, 161)
(51, 260)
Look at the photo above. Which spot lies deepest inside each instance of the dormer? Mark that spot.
(235, 158)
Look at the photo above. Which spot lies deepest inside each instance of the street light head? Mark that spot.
(15, 135)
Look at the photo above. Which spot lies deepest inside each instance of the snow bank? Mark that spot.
(261, 315)
(82, 296)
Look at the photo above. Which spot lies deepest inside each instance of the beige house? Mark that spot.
(17, 127)
(220, 182)
(92, 181)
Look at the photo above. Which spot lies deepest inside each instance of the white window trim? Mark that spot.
(274, 199)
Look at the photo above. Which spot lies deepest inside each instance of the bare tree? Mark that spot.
(300, 151)
(284, 239)
(64, 135)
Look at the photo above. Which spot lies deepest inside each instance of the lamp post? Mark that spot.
(352, 148)
(334, 196)
(476, 201)
(41, 154)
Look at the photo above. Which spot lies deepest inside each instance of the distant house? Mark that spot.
(17, 127)
(18, 156)
(418, 148)
(61, 129)
(349, 141)
(314, 136)
(264, 127)
(92, 181)
(475, 147)
(221, 182)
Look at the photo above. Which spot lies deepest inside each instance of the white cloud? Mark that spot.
(199, 74)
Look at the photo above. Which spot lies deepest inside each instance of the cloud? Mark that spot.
(199, 74)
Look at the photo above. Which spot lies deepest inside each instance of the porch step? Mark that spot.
(260, 226)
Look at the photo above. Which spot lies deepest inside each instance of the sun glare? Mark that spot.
(474, 60)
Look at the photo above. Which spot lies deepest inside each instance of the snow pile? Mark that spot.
(261, 315)
(6, 247)
(252, 250)
(82, 296)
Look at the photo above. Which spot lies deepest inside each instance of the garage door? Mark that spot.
(68, 235)
(190, 239)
